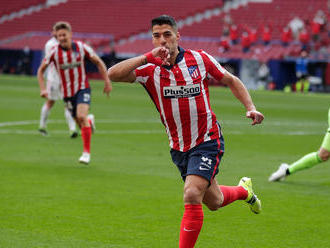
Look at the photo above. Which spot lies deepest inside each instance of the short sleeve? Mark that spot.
(50, 45)
(212, 66)
(48, 48)
(49, 57)
(144, 72)
(89, 52)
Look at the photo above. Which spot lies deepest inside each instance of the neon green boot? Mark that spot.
(252, 199)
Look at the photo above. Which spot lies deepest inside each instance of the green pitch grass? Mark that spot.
(131, 193)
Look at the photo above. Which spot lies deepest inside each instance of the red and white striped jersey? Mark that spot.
(181, 96)
(70, 66)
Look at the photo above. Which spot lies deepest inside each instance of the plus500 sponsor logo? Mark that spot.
(70, 65)
(181, 91)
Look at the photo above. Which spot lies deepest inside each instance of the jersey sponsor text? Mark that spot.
(182, 91)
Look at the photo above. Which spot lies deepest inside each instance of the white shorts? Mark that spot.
(54, 90)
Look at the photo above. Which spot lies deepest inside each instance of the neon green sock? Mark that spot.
(305, 162)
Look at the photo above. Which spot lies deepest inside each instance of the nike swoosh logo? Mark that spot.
(187, 230)
(203, 168)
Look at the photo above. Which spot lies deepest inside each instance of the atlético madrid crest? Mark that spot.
(193, 71)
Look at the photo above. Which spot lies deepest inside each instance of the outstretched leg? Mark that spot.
(218, 196)
(307, 161)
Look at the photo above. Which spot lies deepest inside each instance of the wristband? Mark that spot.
(151, 59)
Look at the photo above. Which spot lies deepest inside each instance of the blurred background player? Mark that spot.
(54, 93)
(177, 81)
(68, 57)
(305, 162)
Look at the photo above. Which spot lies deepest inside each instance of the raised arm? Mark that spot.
(241, 93)
(95, 59)
(124, 71)
(40, 75)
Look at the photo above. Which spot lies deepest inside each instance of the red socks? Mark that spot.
(232, 193)
(86, 135)
(191, 225)
(192, 220)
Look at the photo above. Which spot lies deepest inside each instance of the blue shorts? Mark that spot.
(202, 160)
(82, 96)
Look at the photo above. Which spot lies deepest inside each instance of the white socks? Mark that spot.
(45, 113)
(70, 120)
(44, 116)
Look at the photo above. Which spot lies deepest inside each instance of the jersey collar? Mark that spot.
(179, 57)
(73, 47)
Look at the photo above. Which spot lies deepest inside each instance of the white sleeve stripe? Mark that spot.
(142, 79)
(213, 60)
(143, 66)
(49, 56)
(88, 49)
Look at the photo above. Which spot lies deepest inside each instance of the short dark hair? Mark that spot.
(62, 25)
(164, 19)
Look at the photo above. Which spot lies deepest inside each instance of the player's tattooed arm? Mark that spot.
(124, 71)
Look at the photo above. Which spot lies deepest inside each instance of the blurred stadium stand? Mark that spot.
(123, 26)
(8, 7)
(121, 19)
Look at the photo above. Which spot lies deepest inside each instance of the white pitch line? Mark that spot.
(35, 132)
(17, 123)
(223, 122)
(136, 131)
(262, 130)
(33, 122)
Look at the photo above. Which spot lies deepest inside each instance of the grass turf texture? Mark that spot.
(131, 193)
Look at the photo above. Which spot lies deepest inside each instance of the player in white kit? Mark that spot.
(54, 94)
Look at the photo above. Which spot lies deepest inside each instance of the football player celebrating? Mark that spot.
(177, 81)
